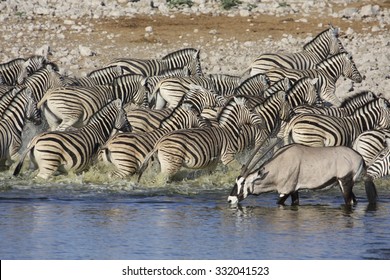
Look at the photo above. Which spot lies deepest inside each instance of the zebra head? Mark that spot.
(121, 121)
(32, 112)
(286, 109)
(384, 119)
(23, 74)
(380, 166)
(350, 70)
(335, 45)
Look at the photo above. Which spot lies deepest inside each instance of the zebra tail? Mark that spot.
(145, 164)
(20, 163)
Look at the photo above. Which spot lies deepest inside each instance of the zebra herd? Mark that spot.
(133, 110)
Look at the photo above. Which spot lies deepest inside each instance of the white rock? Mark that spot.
(369, 10)
(149, 29)
(44, 50)
(85, 51)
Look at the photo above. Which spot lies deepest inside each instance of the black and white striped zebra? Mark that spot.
(101, 76)
(131, 89)
(255, 85)
(42, 80)
(168, 92)
(13, 72)
(73, 106)
(325, 44)
(282, 85)
(328, 72)
(75, 150)
(154, 67)
(143, 120)
(36, 62)
(369, 143)
(22, 108)
(273, 111)
(323, 130)
(225, 85)
(202, 148)
(184, 58)
(347, 107)
(380, 164)
(127, 151)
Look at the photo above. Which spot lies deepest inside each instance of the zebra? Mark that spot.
(323, 130)
(273, 111)
(325, 44)
(75, 150)
(171, 90)
(101, 76)
(202, 148)
(42, 80)
(36, 62)
(328, 72)
(225, 85)
(255, 85)
(380, 164)
(144, 120)
(131, 89)
(152, 81)
(74, 106)
(127, 151)
(347, 107)
(283, 84)
(22, 108)
(154, 67)
(184, 58)
(13, 72)
(370, 143)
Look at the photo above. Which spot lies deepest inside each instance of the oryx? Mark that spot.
(296, 167)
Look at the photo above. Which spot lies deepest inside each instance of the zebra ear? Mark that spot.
(314, 81)
(118, 103)
(144, 81)
(118, 69)
(28, 92)
(387, 142)
(239, 100)
(287, 84)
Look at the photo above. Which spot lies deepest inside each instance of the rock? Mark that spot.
(85, 51)
(44, 50)
(369, 11)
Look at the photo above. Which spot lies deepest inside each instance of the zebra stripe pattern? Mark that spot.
(322, 130)
(347, 107)
(171, 90)
(43, 80)
(22, 108)
(369, 144)
(201, 148)
(127, 151)
(255, 85)
(66, 151)
(323, 45)
(328, 72)
(13, 72)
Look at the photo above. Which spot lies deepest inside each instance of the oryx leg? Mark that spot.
(346, 184)
(282, 198)
(295, 198)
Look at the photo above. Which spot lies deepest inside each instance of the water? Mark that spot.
(89, 217)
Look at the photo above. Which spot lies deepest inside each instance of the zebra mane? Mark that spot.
(20, 59)
(316, 37)
(357, 95)
(180, 52)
